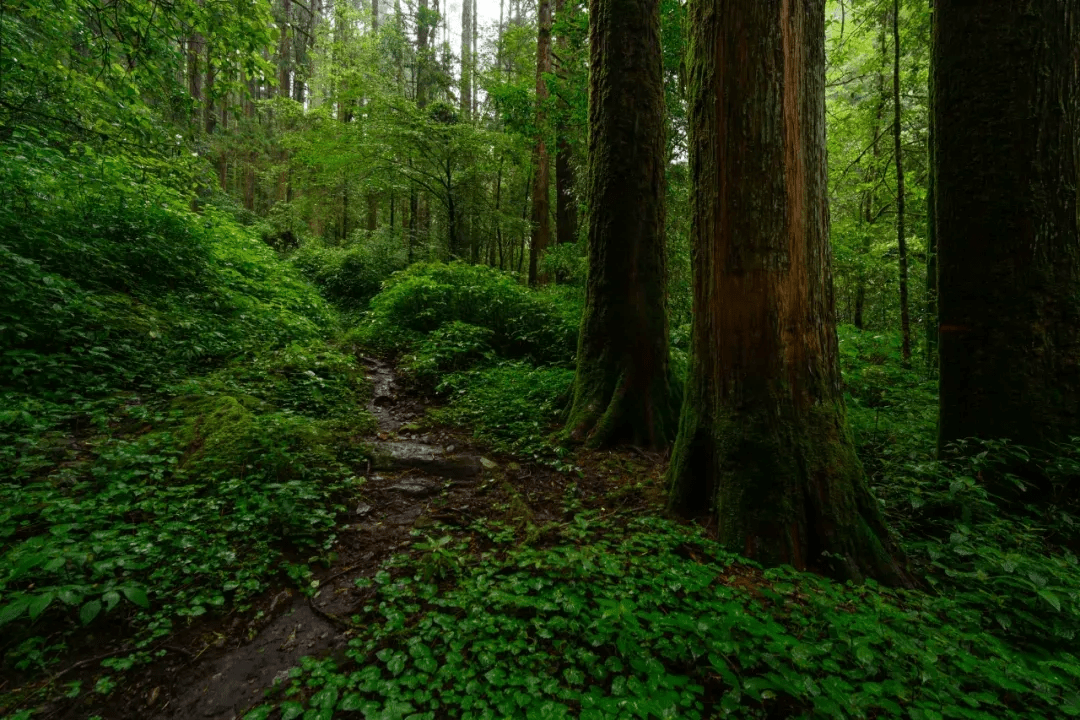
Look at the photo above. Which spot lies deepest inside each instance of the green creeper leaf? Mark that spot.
(70, 597)
(350, 702)
(111, 598)
(260, 713)
(13, 610)
(1050, 598)
(136, 595)
(89, 611)
(39, 604)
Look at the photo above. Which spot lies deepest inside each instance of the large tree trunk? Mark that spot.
(763, 439)
(625, 390)
(1007, 139)
(541, 207)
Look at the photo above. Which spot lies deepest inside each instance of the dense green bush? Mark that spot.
(172, 418)
(352, 274)
(105, 288)
(512, 404)
(422, 299)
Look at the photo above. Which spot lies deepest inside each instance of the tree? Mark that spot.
(624, 390)
(763, 439)
(1007, 139)
(565, 201)
(541, 207)
(898, 160)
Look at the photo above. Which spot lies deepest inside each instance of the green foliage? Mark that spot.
(512, 404)
(427, 296)
(1013, 567)
(639, 617)
(173, 418)
(107, 287)
(351, 275)
(892, 409)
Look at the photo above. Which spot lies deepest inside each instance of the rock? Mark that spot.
(415, 487)
(362, 509)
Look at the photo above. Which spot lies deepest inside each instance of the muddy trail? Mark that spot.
(418, 477)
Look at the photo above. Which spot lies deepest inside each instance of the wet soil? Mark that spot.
(417, 477)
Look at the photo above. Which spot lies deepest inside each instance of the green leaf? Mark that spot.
(350, 702)
(111, 598)
(260, 713)
(89, 611)
(1050, 598)
(13, 610)
(39, 604)
(136, 595)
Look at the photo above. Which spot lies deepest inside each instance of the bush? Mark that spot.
(351, 275)
(427, 296)
(513, 404)
(106, 290)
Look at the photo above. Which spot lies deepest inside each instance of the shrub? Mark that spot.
(512, 404)
(351, 275)
(425, 297)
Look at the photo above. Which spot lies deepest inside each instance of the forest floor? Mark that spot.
(420, 475)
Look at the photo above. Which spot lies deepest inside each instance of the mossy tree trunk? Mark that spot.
(1007, 138)
(624, 390)
(763, 440)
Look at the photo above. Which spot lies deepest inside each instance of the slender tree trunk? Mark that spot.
(284, 51)
(525, 216)
(869, 216)
(422, 60)
(931, 231)
(1006, 146)
(372, 212)
(624, 389)
(763, 439)
(209, 118)
(541, 208)
(466, 59)
(410, 235)
(565, 202)
(901, 239)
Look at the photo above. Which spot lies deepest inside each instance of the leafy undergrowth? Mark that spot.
(499, 354)
(613, 615)
(177, 431)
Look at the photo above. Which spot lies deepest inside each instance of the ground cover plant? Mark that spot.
(296, 300)
(611, 615)
(176, 428)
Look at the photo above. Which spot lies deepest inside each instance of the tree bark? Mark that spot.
(1007, 139)
(624, 389)
(541, 207)
(565, 201)
(901, 238)
(763, 439)
(931, 229)
(466, 59)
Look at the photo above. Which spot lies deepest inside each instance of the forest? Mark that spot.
(422, 359)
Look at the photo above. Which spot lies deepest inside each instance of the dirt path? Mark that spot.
(414, 480)
(218, 668)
